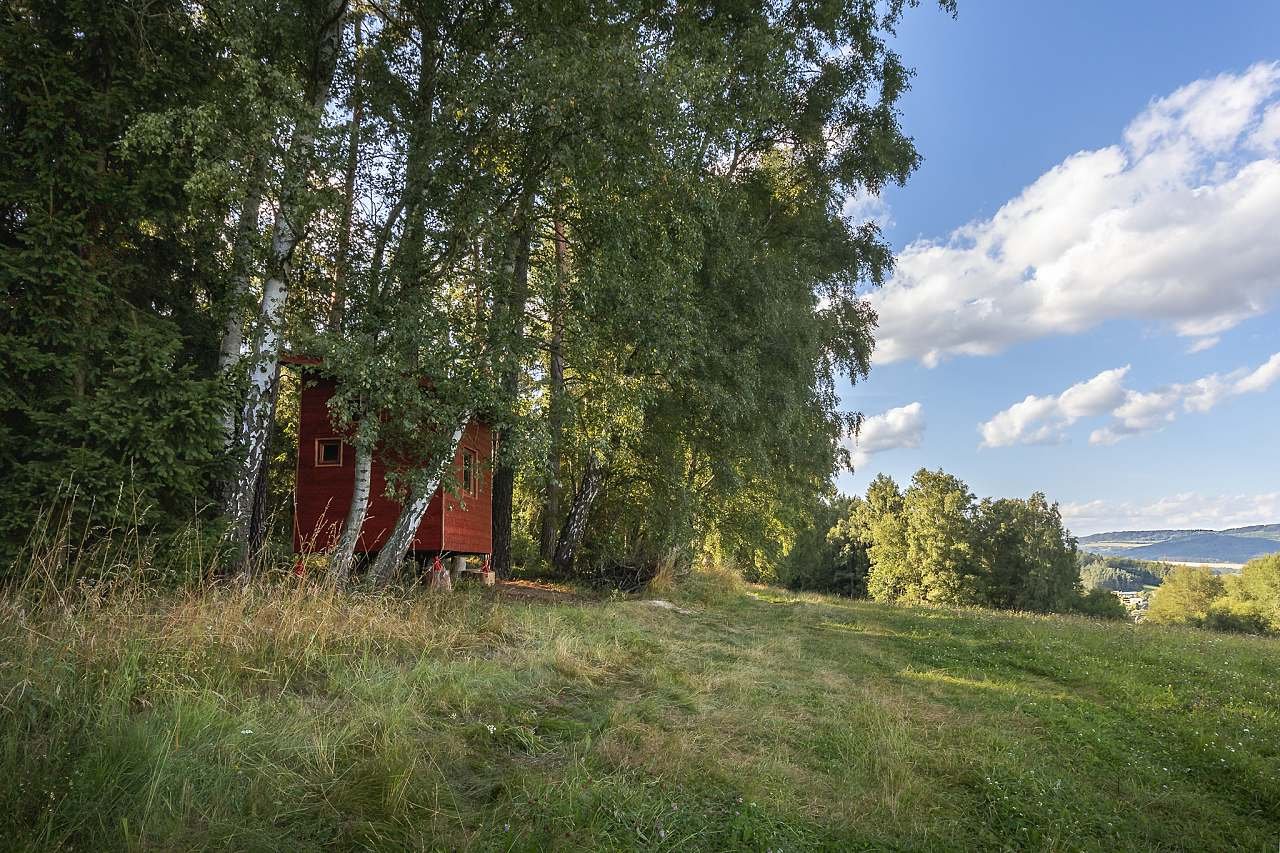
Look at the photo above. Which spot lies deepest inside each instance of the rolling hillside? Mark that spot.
(1235, 545)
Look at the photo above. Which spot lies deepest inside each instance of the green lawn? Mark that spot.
(288, 720)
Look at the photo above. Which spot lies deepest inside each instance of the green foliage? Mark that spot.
(1100, 604)
(1245, 603)
(1120, 573)
(937, 514)
(828, 555)
(933, 543)
(1185, 597)
(1258, 588)
(1028, 558)
(1250, 601)
(710, 293)
(105, 368)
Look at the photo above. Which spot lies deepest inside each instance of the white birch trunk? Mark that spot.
(397, 545)
(233, 332)
(258, 410)
(241, 261)
(555, 407)
(575, 524)
(260, 404)
(344, 554)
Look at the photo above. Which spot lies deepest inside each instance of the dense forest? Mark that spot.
(1121, 573)
(616, 231)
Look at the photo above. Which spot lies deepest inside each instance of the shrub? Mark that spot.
(1101, 604)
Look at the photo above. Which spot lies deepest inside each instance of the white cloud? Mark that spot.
(1185, 510)
(1146, 411)
(1267, 135)
(1041, 420)
(863, 206)
(1176, 224)
(900, 427)
(1260, 379)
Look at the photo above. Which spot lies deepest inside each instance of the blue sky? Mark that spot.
(1115, 171)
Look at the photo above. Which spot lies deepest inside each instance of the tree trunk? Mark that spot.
(258, 521)
(504, 474)
(397, 545)
(241, 263)
(575, 523)
(260, 399)
(344, 554)
(342, 268)
(555, 407)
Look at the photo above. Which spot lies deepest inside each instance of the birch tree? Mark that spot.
(289, 228)
(418, 369)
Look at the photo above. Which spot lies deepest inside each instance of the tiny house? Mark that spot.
(455, 525)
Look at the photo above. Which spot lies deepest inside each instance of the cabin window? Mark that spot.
(470, 476)
(328, 452)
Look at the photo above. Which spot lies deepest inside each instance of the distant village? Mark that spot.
(1135, 602)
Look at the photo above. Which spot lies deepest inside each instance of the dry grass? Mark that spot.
(291, 716)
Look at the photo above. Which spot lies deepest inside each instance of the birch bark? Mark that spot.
(555, 408)
(241, 262)
(345, 552)
(575, 523)
(342, 269)
(397, 545)
(259, 406)
(508, 348)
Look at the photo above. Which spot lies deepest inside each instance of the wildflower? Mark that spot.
(491, 727)
(246, 731)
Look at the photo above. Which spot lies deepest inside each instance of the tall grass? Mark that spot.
(289, 715)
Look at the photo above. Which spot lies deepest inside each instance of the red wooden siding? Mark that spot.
(463, 524)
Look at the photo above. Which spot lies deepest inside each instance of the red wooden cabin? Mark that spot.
(455, 525)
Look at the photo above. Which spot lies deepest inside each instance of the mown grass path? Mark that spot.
(762, 720)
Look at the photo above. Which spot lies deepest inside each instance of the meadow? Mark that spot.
(287, 716)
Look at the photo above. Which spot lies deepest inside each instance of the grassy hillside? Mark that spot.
(759, 720)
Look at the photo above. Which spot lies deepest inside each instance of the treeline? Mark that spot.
(1121, 573)
(1248, 602)
(936, 542)
(614, 230)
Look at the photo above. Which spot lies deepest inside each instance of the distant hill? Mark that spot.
(1236, 545)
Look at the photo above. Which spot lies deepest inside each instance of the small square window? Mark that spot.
(328, 452)
(470, 475)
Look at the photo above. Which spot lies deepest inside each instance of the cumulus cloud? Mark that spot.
(1147, 411)
(1043, 420)
(1176, 224)
(1186, 510)
(900, 427)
